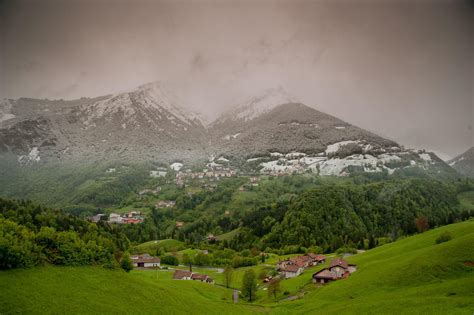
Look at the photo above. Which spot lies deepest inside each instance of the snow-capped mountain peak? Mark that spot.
(149, 100)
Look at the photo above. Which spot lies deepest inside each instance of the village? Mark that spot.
(132, 217)
(289, 268)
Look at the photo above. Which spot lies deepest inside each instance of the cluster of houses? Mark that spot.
(189, 275)
(165, 204)
(145, 261)
(295, 266)
(132, 217)
(338, 269)
(214, 171)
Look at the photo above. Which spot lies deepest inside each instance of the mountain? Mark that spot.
(278, 135)
(146, 124)
(270, 133)
(464, 163)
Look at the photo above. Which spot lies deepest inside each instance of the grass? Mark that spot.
(411, 276)
(88, 290)
(228, 236)
(168, 245)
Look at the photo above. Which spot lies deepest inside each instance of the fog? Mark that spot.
(402, 69)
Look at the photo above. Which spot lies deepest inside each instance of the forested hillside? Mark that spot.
(33, 235)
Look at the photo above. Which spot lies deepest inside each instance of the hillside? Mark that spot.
(464, 163)
(411, 276)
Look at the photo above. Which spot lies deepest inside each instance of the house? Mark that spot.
(211, 238)
(179, 224)
(317, 259)
(281, 265)
(292, 271)
(323, 276)
(199, 277)
(304, 261)
(182, 275)
(165, 204)
(341, 268)
(115, 218)
(96, 218)
(338, 269)
(145, 261)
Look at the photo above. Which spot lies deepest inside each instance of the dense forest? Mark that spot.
(288, 215)
(298, 211)
(32, 235)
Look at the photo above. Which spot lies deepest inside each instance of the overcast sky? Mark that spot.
(402, 69)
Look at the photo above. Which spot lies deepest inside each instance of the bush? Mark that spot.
(444, 237)
(126, 263)
(169, 260)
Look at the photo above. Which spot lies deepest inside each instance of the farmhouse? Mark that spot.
(189, 275)
(338, 269)
(145, 260)
(317, 259)
(202, 278)
(182, 275)
(292, 271)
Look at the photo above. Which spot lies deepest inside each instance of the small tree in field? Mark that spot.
(126, 262)
(249, 285)
(228, 273)
(274, 287)
(422, 224)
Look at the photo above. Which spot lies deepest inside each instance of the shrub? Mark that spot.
(169, 260)
(126, 263)
(444, 237)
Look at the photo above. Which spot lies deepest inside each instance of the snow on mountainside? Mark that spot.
(150, 100)
(464, 163)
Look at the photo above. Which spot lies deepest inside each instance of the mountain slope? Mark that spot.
(464, 163)
(150, 123)
(286, 128)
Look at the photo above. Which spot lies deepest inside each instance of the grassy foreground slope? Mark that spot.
(88, 290)
(411, 276)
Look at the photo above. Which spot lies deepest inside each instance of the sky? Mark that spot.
(401, 69)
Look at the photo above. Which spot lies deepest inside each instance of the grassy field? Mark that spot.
(411, 276)
(168, 245)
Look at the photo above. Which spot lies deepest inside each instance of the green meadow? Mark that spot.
(411, 276)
